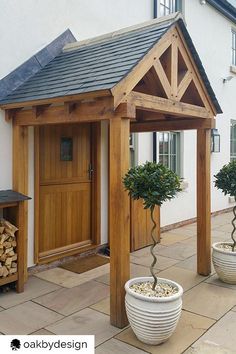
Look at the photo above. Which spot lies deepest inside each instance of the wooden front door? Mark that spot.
(65, 190)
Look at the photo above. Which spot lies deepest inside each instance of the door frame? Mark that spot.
(95, 198)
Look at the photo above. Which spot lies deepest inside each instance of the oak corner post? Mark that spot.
(20, 182)
(119, 218)
(203, 201)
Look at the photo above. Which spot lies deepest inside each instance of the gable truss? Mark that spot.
(167, 81)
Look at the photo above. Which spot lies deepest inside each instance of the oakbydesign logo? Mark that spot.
(15, 344)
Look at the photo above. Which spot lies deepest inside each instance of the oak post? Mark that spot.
(119, 218)
(20, 182)
(203, 202)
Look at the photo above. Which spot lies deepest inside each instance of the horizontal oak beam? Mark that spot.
(150, 103)
(62, 99)
(92, 111)
(176, 124)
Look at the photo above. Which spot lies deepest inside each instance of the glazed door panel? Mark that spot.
(64, 188)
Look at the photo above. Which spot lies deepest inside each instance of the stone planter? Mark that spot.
(224, 263)
(152, 319)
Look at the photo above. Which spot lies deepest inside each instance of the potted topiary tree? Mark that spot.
(224, 253)
(153, 305)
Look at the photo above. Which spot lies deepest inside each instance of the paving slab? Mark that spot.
(33, 288)
(209, 300)
(84, 322)
(185, 231)
(190, 263)
(209, 348)
(185, 277)
(68, 301)
(189, 329)
(169, 238)
(146, 251)
(26, 318)
(226, 227)
(222, 333)
(162, 263)
(115, 346)
(42, 332)
(136, 270)
(102, 306)
(216, 281)
(69, 279)
(178, 251)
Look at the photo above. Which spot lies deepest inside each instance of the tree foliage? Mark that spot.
(226, 179)
(154, 183)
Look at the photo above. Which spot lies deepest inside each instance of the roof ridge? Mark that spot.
(108, 36)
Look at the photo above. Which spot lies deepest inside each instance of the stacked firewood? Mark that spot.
(8, 255)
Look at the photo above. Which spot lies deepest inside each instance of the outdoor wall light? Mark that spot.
(226, 79)
(215, 140)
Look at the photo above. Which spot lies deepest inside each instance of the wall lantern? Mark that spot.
(215, 140)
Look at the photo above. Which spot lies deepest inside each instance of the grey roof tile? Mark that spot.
(91, 67)
(99, 65)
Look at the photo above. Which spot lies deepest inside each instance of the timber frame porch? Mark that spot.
(165, 90)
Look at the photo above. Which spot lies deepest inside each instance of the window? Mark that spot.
(66, 149)
(234, 47)
(233, 140)
(167, 7)
(169, 150)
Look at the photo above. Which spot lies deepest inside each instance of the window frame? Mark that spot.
(233, 46)
(133, 148)
(170, 154)
(232, 141)
(169, 5)
(175, 5)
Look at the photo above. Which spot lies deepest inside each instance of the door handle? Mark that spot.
(90, 171)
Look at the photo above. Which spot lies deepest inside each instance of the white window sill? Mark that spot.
(233, 69)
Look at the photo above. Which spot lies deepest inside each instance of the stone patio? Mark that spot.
(57, 301)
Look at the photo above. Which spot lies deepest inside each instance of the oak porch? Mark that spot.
(164, 91)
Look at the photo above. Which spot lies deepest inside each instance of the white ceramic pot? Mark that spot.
(224, 263)
(153, 319)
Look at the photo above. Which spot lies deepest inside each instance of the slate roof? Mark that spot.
(34, 64)
(98, 65)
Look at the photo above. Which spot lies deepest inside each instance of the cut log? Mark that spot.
(3, 238)
(9, 226)
(8, 244)
(12, 270)
(9, 250)
(14, 258)
(5, 271)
